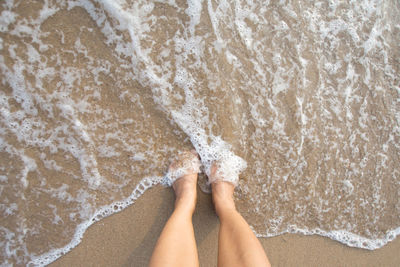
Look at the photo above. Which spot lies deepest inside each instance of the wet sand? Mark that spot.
(97, 98)
(127, 239)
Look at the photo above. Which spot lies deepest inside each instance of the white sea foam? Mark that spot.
(343, 236)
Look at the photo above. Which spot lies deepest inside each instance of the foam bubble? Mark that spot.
(185, 163)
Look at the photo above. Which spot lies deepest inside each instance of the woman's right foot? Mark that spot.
(222, 191)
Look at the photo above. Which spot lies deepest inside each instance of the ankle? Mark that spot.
(224, 206)
(223, 196)
(185, 202)
(186, 195)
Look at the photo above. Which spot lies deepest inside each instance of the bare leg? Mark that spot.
(237, 244)
(176, 245)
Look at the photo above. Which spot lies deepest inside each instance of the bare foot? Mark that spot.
(183, 174)
(222, 191)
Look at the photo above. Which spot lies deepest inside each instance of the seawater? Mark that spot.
(298, 98)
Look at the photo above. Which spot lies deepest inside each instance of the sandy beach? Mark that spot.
(127, 239)
(300, 99)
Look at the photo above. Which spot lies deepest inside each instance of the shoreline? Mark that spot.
(127, 238)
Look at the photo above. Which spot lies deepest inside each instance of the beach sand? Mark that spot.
(109, 125)
(127, 239)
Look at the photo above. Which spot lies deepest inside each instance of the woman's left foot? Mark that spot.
(183, 173)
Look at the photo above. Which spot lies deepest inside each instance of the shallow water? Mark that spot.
(300, 99)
